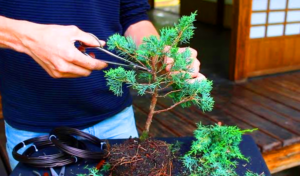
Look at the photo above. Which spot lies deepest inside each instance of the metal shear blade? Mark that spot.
(62, 171)
(131, 65)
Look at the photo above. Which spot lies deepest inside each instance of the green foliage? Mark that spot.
(183, 60)
(151, 54)
(144, 136)
(185, 24)
(250, 173)
(152, 46)
(92, 172)
(125, 45)
(200, 90)
(174, 148)
(168, 35)
(117, 77)
(214, 149)
(106, 167)
(145, 76)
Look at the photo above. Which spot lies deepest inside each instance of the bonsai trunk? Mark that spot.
(152, 111)
(153, 99)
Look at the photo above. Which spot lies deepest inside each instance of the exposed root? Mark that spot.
(141, 158)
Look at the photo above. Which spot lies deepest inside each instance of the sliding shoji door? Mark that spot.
(272, 41)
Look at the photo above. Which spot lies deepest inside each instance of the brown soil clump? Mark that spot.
(141, 158)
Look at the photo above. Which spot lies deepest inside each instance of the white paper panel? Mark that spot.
(277, 4)
(257, 32)
(275, 30)
(293, 16)
(259, 5)
(294, 4)
(292, 29)
(259, 18)
(276, 17)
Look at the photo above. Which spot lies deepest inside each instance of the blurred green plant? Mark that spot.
(93, 171)
(214, 150)
(250, 173)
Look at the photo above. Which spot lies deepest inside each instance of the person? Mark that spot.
(37, 47)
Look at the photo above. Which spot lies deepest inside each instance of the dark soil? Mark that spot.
(141, 158)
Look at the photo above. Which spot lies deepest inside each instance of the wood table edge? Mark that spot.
(283, 158)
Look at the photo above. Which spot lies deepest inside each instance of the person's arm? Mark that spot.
(7, 34)
(51, 46)
(140, 30)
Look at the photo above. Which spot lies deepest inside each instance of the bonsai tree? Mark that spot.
(149, 156)
(151, 55)
(214, 147)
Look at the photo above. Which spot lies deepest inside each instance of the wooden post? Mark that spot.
(239, 39)
(151, 3)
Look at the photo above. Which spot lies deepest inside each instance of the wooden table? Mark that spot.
(247, 146)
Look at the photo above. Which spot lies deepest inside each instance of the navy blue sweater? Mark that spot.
(34, 101)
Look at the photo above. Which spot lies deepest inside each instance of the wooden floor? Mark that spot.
(270, 104)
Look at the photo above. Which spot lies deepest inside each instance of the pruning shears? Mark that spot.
(62, 171)
(128, 64)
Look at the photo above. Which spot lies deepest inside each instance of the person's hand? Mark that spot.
(52, 47)
(195, 65)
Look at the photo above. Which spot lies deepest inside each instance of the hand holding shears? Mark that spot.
(127, 63)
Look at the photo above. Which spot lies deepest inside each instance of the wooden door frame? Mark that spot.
(239, 39)
(151, 3)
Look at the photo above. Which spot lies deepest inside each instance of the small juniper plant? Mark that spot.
(250, 173)
(214, 150)
(94, 171)
(151, 55)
